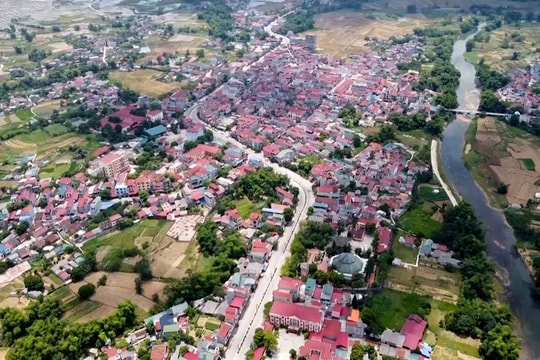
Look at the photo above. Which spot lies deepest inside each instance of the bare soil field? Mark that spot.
(59, 47)
(342, 33)
(503, 148)
(119, 287)
(166, 256)
(145, 82)
(101, 312)
(178, 43)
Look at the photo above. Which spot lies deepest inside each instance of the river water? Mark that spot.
(499, 235)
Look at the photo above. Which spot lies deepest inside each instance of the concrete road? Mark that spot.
(268, 28)
(435, 168)
(253, 316)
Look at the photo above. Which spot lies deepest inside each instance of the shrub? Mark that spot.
(86, 291)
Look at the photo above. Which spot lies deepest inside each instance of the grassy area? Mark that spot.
(414, 139)
(45, 110)
(418, 220)
(35, 137)
(125, 238)
(209, 325)
(404, 253)
(396, 306)
(55, 171)
(62, 293)
(245, 207)
(83, 308)
(25, 115)
(470, 133)
(56, 129)
(432, 194)
(445, 338)
(528, 164)
(145, 82)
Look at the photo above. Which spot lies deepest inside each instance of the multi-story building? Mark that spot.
(109, 165)
(296, 317)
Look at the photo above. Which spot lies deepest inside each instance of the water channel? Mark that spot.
(499, 235)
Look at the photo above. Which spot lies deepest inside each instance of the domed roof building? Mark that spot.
(348, 264)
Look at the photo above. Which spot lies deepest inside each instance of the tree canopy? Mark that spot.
(39, 332)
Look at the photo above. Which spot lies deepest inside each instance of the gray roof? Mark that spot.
(348, 263)
(392, 338)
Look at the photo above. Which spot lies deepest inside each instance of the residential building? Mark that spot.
(109, 165)
(296, 317)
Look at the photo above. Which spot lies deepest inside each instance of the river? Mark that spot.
(499, 235)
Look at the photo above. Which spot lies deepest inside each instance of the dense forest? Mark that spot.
(477, 314)
(38, 332)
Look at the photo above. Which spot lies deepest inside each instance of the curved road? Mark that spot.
(253, 317)
(435, 168)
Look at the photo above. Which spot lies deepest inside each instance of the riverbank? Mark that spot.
(502, 160)
(499, 236)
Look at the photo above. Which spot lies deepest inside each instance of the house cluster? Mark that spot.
(519, 92)
(333, 325)
(401, 344)
(288, 86)
(378, 175)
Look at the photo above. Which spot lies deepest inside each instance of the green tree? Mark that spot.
(500, 343)
(288, 214)
(33, 283)
(143, 267)
(86, 291)
(138, 285)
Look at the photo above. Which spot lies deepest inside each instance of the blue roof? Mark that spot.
(156, 131)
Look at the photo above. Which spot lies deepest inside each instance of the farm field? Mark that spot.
(427, 280)
(164, 252)
(503, 42)
(119, 287)
(145, 82)
(499, 153)
(45, 110)
(342, 33)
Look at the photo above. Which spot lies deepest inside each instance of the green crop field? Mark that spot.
(528, 164)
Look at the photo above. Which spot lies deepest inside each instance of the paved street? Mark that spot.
(253, 316)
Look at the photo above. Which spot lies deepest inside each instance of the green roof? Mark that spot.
(172, 328)
(156, 131)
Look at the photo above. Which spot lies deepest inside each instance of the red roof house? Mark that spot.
(413, 329)
(385, 239)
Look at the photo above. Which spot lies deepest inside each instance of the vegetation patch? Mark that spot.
(404, 253)
(246, 207)
(212, 326)
(146, 82)
(431, 193)
(528, 164)
(25, 115)
(390, 309)
(418, 221)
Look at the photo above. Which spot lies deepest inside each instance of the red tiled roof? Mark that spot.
(258, 353)
(413, 329)
(288, 283)
(237, 302)
(299, 311)
(224, 329)
(385, 237)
